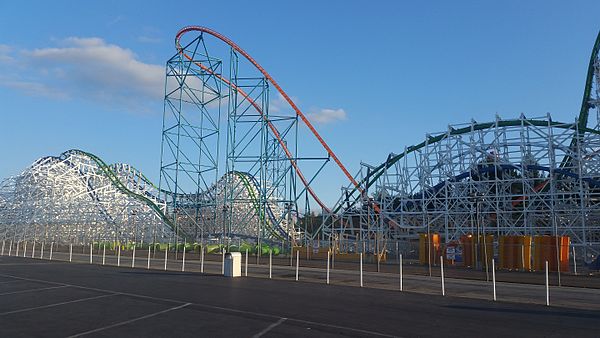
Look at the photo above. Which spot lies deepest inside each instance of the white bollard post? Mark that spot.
(297, 263)
(223, 261)
(494, 277)
(400, 260)
(328, 254)
(51, 246)
(574, 261)
(3, 243)
(270, 264)
(547, 287)
(166, 256)
(104, 254)
(148, 257)
(91, 253)
(133, 258)
(361, 270)
(246, 272)
(202, 259)
(25, 249)
(33, 250)
(442, 275)
(71, 252)
(183, 260)
(10, 249)
(119, 255)
(42, 250)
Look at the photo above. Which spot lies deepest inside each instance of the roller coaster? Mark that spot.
(233, 167)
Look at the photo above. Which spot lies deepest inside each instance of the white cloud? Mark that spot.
(325, 116)
(89, 68)
(34, 89)
(280, 104)
(5, 51)
(149, 39)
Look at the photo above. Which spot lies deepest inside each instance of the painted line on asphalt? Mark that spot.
(130, 321)
(33, 290)
(269, 328)
(212, 307)
(54, 305)
(10, 281)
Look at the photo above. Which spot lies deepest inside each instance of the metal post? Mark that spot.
(246, 272)
(148, 258)
(25, 249)
(442, 275)
(400, 259)
(51, 246)
(133, 257)
(91, 252)
(183, 260)
(494, 277)
(104, 254)
(33, 250)
(202, 259)
(166, 256)
(297, 263)
(119, 256)
(71, 252)
(361, 269)
(574, 261)
(223, 262)
(328, 254)
(270, 264)
(547, 287)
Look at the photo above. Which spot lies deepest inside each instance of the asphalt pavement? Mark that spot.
(61, 299)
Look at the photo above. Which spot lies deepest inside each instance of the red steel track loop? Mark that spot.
(257, 107)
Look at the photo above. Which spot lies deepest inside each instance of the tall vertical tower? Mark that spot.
(190, 139)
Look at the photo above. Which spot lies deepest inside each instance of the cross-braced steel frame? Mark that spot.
(76, 198)
(258, 196)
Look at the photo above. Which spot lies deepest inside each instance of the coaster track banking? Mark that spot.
(431, 186)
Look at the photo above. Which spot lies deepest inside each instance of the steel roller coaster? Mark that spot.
(232, 167)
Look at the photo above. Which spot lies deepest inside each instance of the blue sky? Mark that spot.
(88, 75)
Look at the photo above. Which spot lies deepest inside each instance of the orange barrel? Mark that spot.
(564, 244)
(486, 245)
(537, 253)
(525, 252)
(501, 252)
(508, 252)
(549, 252)
(468, 250)
(433, 246)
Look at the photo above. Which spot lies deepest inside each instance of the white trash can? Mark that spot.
(233, 264)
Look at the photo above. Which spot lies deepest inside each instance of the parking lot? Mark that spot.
(57, 299)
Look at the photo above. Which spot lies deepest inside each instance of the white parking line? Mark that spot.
(269, 328)
(212, 307)
(55, 304)
(34, 290)
(130, 321)
(10, 281)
